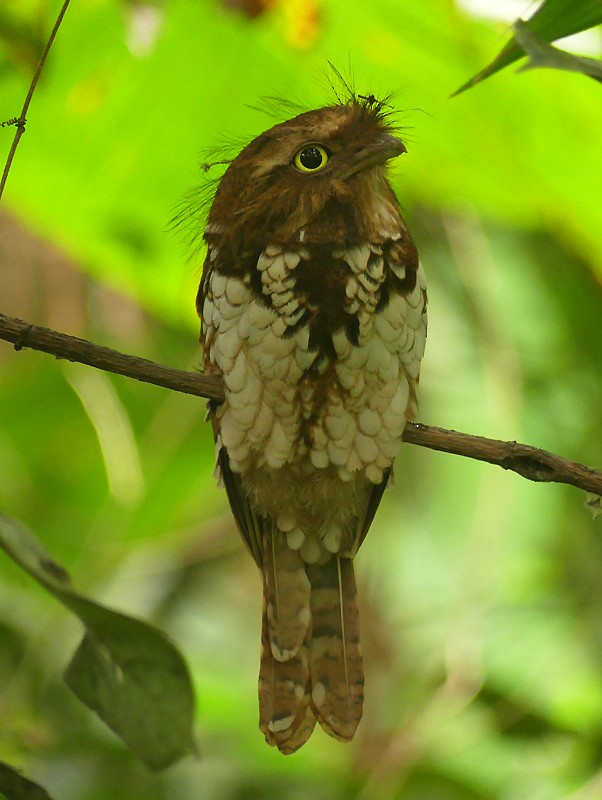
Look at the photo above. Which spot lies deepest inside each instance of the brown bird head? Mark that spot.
(322, 172)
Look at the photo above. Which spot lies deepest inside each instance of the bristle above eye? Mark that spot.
(278, 108)
(346, 93)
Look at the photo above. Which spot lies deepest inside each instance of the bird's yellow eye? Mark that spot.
(311, 158)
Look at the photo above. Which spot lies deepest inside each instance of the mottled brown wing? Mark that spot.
(251, 526)
(374, 499)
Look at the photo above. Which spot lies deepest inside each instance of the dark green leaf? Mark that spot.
(137, 682)
(13, 786)
(557, 18)
(553, 20)
(125, 670)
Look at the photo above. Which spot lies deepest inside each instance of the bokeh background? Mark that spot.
(481, 593)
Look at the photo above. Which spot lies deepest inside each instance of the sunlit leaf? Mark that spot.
(553, 20)
(126, 671)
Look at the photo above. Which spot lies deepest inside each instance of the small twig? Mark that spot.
(530, 462)
(22, 118)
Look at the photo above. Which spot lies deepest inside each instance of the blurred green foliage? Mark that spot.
(480, 593)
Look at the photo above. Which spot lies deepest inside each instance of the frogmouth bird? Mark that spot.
(313, 309)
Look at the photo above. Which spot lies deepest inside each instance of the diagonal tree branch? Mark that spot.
(23, 335)
(530, 462)
(524, 459)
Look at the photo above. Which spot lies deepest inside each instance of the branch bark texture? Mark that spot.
(530, 462)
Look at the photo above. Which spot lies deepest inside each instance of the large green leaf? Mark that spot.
(553, 20)
(128, 672)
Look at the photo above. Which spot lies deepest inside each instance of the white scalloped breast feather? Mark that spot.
(366, 404)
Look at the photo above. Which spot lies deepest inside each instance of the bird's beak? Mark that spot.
(378, 152)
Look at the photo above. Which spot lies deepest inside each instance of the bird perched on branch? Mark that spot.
(313, 309)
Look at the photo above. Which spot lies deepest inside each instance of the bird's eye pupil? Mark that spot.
(311, 158)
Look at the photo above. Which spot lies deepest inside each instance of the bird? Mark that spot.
(313, 312)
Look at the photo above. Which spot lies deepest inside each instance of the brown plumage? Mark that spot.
(313, 309)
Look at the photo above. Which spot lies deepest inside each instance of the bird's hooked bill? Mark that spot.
(375, 153)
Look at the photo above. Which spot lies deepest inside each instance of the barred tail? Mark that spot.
(286, 718)
(311, 664)
(335, 661)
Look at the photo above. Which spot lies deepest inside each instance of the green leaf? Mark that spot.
(136, 681)
(13, 786)
(543, 55)
(557, 18)
(125, 670)
(553, 20)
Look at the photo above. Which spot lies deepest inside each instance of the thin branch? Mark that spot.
(530, 462)
(23, 335)
(524, 459)
(22, 118)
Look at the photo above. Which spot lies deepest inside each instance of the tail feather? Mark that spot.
(311, 663)
(287, 591)
(335, 659)
(285, 715)
(300, 734)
